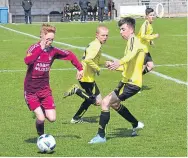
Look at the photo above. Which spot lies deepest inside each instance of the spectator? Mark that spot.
(89, 11)
(83, 6)
(146, 3)
(67, 12)
(111, 7)
(106, 13)
(101, 5)
(62, 18)
(95, 13)
(76, 11)
(27, 4)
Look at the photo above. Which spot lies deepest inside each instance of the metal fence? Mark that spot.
(171, 8)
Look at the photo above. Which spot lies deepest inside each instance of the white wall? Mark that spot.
(3, 3)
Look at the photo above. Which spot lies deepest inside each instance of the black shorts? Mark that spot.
(126, 90)
(148, 58)
(90, 88)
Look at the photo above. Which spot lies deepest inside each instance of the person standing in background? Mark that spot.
(83, 6)
(27, 4)
(101, 5)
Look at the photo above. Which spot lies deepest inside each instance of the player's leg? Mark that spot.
(123, 92)
(129, 90)
(49, 108)
(47, 104)
(148, 64)
(33, 103)
(104, 118)
(87, 94)
(72, 90)
(92, 92)
(40, 118)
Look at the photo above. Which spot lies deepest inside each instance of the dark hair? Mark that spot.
(149, 10)
(129, 21)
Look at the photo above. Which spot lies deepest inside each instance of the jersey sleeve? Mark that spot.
(120, 68)
(132, 50)
(68, 55)
(32, 54)
(144, 28)
(91, 53)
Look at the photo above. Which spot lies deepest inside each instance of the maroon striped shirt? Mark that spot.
(39, 63)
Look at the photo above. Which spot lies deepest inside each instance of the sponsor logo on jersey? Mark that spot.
(42, 67)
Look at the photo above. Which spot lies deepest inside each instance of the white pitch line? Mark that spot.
(170, 65)
(169, 78)
(108, 56)
(65, 69)
(60, 69)
(19, 32)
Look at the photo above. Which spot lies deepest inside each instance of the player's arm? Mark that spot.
(120, 68)
(92, 51)
(32, 54)
(68, 55)
(131, 53)
(144, 35)
(108, 63)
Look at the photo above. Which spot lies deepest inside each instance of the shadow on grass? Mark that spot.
(46, 153)
(145, 88)
(31, 140)
(67, 136)
(34, 139)
(120, 132)
(91, 119)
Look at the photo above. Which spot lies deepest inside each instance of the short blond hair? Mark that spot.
(47, 28)
(101, 27)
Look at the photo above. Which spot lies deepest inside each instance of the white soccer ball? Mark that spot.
(46, 143)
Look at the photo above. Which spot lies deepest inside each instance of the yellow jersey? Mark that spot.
(91, 60)
(145, 34)
(132, 62)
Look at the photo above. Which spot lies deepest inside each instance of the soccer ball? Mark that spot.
(46, 143)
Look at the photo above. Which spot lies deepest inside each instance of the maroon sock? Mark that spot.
(40, 127)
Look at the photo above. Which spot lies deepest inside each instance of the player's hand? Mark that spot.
(79, 75)
(98, 102)
(108, 63)
(43, 44)
(157, 35)
(114, 65)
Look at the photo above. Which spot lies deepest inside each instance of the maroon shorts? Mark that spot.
(42, 98)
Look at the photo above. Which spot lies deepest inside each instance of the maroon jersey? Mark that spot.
(39, 63)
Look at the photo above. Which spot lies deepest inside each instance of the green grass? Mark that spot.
(161, 106)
